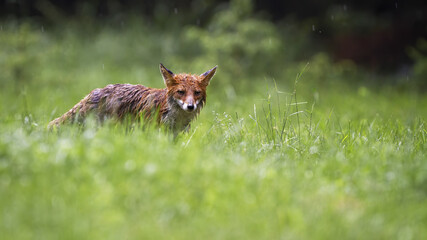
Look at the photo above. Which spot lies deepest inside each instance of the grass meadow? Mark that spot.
(300, 152)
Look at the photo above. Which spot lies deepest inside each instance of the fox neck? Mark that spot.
(177, 118)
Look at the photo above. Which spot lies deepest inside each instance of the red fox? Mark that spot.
(175, 106)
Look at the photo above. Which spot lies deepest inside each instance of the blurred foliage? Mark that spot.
(419, 56)
(241, 44)
(19, 58)
(244, 44)
(326, 73)
(373, 34)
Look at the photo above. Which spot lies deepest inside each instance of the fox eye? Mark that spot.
(197, 93)
(181, 92)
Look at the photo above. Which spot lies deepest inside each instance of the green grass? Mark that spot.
(333, 162)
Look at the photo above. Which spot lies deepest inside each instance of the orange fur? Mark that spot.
(176, 105)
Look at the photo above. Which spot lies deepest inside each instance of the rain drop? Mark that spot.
(345, 7)
(42, 28)
(313, 28)
(175, 10)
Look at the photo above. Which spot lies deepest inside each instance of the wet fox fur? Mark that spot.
(175, 106)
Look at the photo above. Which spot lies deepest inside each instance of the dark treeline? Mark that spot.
(373, 33)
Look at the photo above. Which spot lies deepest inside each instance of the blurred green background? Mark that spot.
(314, 126)
(245, 37)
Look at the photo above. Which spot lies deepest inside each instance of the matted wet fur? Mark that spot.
(175, 106)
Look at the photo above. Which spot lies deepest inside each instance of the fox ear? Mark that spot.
(167, 76)
(206, 77)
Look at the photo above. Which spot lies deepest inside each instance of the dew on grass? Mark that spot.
(64, 147)
(313, 150)
(308, 174)
(390, 176)
(44, 148)
(89, 133)
(405, 233)
(340, 156)
(327, 189)
(150, 168)
(165, 217)
(264, 172)
(20, 137)
(130, 165)
(365, 139)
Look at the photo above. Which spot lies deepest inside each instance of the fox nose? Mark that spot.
(190, 107)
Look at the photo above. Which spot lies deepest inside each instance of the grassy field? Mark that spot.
(270, 157)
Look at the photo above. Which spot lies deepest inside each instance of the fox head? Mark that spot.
(186, 90)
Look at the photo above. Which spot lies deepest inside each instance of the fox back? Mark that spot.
(175, 106)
